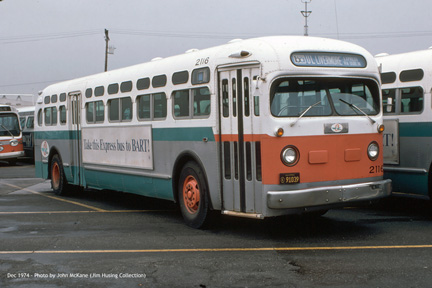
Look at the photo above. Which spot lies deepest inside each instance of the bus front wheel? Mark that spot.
(192, 195)
(58, 179)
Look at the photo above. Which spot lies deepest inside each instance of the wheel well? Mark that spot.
(178, 165)
(53, 151)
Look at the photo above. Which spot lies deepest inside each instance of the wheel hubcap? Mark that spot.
(191, 194)
(55, 176)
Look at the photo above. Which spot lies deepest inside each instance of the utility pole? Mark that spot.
(306, 14)
(106, 49)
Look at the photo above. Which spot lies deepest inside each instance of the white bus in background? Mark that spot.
(254, 128)
(27, 125)
(406, 88)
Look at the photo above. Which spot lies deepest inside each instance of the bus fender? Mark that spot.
(181, 160)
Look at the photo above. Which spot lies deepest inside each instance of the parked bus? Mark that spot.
(11, 146)
(254, 128)
(27, 124)
(407, 83)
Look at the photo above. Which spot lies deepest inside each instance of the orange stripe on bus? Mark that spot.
(8, 148)
(322, 158)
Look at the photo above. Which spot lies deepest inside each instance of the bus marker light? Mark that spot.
(279, 132)
(381, 128)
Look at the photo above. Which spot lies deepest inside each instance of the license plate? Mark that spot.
(289, 178)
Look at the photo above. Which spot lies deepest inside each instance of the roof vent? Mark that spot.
(235, 40)
(382, 54)
(192, 50)
(241, 54)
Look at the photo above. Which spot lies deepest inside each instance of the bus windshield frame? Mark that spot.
(324, 96)
(9, 125)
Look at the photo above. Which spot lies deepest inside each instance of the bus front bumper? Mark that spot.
(337, 195)
(11, 155)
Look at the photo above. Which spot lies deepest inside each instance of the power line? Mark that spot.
(43, 37)
(32, 83)
(198, 35)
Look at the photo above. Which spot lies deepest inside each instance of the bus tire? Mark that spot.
(58, 179)
(192, 195)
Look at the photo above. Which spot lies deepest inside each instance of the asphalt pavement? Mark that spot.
(109, 239)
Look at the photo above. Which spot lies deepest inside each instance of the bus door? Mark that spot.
(75, 137)
(240, 180)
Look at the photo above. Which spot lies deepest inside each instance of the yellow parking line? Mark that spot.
(86, 211)
(264, 249)
(56, 198)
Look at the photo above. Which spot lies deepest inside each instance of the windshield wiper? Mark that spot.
(304, 112)
(354, 107)
(7, 130)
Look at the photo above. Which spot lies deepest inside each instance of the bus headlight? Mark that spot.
(1, 148)
(373, 151)
(290, 155)
(14, 142)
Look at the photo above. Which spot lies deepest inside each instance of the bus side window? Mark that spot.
(30, 122)
(225, 98)
(181, 103)
(62, 114)
(246, 96)
(100, 111)
(47, 113)
(201, 101)
(89, 112)
(54, 115)
(22, 122)
(40, 117)
(159, 105)
(411, 100)
(126, 108)
(113, 109)
(389, 100)
(144, 107)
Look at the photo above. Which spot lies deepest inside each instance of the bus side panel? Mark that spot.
(145, 186)
(168, 144)
(409, 183)
(411, 137)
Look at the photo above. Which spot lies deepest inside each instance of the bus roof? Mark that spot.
(273, 53)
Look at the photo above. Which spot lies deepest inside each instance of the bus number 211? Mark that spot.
(376, 169)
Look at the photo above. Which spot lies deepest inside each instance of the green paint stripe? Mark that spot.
(417, 129)
(183, 134)
(159, 134)
(56, 135)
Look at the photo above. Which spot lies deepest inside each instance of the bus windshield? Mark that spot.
(290, 97)
(9, 125)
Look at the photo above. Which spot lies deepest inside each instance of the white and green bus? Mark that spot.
(253, 128)
(407, 85)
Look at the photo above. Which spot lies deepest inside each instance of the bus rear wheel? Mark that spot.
(58, 179)
(192, 195)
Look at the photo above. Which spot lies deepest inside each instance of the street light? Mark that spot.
(108, 49)
(306, 14)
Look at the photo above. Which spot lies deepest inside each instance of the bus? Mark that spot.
(11, 146)
(27, 124)
(407, 83)
(253, 128)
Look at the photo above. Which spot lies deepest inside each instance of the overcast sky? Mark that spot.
(47, 41)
